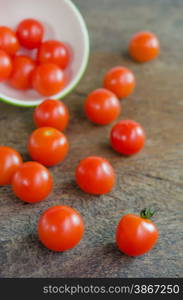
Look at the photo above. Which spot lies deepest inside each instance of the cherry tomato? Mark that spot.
(32, 182)
(48, 146)
(48, 79)
(136, 235)
(120, 81)
(60, 228)
(102, 107)
(52, 113)
(5, 65)
(10, 161)
(30, 33)
(144, 46)
(8, 40)
(95, 175)
(21, 77)
(127, 137)
(54, 52)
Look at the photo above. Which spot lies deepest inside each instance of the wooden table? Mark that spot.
(153, 177)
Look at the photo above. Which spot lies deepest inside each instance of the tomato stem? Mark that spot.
(147, 213)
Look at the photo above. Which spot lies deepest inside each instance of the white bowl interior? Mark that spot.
(62, 21)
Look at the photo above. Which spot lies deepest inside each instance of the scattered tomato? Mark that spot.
(60, 228)
(95, 175)
(120, 81)
(48, 79)
(30, 33)
(54, 52)
(32, 182)
(127, 137)
(10, 161)
(5, 65)
(48, 146)
(52, 113)
(21, 76)
(144, 46)
(8, 40)
(102, 107)
(136, 235)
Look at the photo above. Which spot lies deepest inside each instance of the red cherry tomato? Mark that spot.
(127, 137)
(60, 228)
(102, 107)
(5, 65)
(21, 77)
(48, 79)
(120, 81)
(48, 146)
(32, 182)
(54, 52)
(95, 175)
(10, 161)
(8, 40)
(30, 33)
(144, 46)
(136, 235)
(52, 113)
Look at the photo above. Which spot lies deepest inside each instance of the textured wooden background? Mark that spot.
(153, 177)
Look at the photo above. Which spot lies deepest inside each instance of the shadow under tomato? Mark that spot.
(105, 146)
(112, 251)
(129, 59)
(125, 54)
(33, 241)
(72, 188)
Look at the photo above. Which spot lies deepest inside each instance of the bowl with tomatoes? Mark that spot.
(44, 50)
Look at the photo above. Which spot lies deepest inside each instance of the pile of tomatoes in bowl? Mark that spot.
(43, 69)
(60, 227)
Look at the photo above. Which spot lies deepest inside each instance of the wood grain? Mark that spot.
(153, 177)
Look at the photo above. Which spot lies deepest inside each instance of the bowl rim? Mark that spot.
(34, 103)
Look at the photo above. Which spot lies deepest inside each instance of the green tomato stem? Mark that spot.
(147, 213)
